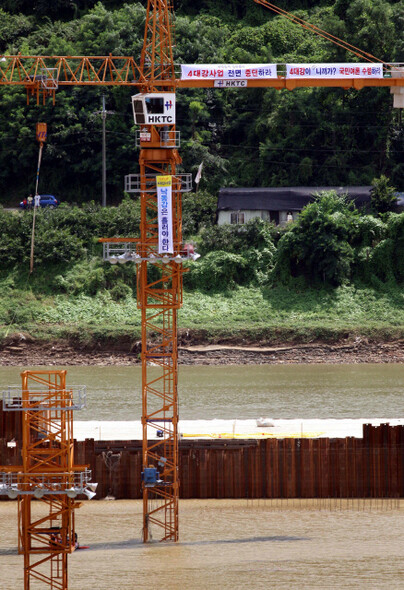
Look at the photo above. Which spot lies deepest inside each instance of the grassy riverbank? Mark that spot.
(244, 315)
(334, 274)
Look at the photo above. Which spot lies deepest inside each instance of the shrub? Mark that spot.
(11, 247)
(56, 245)
(236, 238)
(317, 245)
(120, 291)
(93, 275)
(198, 210)
(382, 196)
(217, 271)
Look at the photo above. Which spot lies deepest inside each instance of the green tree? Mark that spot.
(317, 246)
(387, 260)
(218, 271)
(382, 196)
(198, 211)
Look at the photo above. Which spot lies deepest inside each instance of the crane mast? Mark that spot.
(48, 476)
(159, 256)
(159, 274)
(156, 60)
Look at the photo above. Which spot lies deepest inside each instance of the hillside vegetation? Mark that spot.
(255, 137)
(334, 273)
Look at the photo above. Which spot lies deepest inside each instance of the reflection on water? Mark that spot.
(279, 391)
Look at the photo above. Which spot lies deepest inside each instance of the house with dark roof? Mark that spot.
(400, 202)
(279, 205)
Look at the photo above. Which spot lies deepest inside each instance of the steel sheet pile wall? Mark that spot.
(368, 467)
(10, 438)
(10, 425)
(372, 467)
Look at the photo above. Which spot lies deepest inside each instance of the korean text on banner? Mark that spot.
(336, 70)
(228, 71)
(165, 214)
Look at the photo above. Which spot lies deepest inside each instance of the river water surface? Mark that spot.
(279, 391)
(227, 545)
(233, 544)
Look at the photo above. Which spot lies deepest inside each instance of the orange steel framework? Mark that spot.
(46, 532)
(159, 297)
(159, 288)
(159, 284)
(43, 75)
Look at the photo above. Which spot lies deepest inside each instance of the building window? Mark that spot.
(236, 218)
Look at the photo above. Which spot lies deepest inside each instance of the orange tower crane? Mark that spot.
(159, 256)
(160, 187)
(159, 298)
(48, 476)
(159, 292)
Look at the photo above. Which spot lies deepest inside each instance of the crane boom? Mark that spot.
(68, 70)
(45, 71)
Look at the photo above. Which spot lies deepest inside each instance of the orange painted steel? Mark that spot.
(70, 70)
(46, 533)
(159, 298)
(43, 75)
(157, 61)
(159, 295)
(283, 83)
(31, 72)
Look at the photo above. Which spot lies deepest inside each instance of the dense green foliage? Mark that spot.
(383, 196)
(65, 234)
(333, 272)
(331, 243)
(253, 137)
(250, 314)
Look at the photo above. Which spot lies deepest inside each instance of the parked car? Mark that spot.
(45, 201)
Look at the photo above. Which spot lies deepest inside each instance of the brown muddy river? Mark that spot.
(242, 392)
(233, 544)
(229, 545)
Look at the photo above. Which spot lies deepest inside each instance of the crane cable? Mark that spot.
(320, 32)
(31, 263)
(31, 267)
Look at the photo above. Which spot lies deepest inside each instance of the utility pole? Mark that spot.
(104, 163)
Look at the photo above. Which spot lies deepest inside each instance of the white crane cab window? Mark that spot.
(155, 105)
(154, 109)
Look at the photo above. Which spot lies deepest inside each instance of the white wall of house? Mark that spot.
(226, 216)
(283, 216)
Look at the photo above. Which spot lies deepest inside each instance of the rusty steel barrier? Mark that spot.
(368, 467)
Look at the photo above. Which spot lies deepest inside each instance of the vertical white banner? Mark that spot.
(165, 214)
